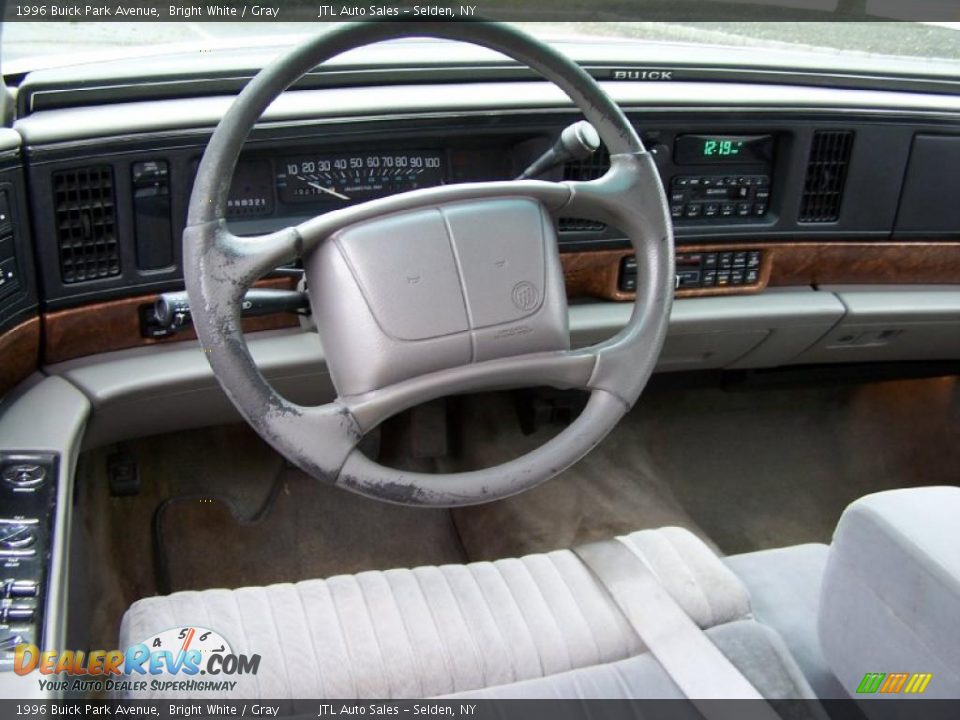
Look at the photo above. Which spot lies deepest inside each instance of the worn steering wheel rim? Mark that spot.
(219, 267)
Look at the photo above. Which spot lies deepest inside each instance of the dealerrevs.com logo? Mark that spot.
(171, 661)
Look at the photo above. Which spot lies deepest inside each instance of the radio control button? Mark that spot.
(711, 210)
(753, 259)
(736, 277)
(723, 278)
(727, 209)
(752, 276)
(693, 210)
(678, 196)
(676, 211)
(725, 260)
(709, 278)
(710, 260)
(760, 209)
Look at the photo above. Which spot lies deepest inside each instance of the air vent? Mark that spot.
(826, 175)
(590, 168)
(86, 223)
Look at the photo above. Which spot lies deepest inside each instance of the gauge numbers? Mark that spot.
(345, 178)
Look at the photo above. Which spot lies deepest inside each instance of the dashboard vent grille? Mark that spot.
(826, 175)
(589, 168)
(84, 203)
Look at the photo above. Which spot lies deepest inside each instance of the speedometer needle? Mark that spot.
(329, 191)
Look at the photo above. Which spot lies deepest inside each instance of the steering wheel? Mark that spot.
(444, 290)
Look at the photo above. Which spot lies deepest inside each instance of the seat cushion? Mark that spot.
(754, 649)
(784, 586)
(438, 630)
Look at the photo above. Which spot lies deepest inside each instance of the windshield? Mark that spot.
(29, 45)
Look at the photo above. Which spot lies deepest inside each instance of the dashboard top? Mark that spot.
(202, 113)
(220, 67)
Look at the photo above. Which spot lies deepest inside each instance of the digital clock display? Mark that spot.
(723, 149)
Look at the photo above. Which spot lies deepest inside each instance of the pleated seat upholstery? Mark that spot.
(434, 631)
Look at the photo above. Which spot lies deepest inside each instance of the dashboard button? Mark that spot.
(727, 209)
(9, 276)
(725, 260)
(24, 476)
(711, 210)
(752, 276)
(693, 210)
(744, 209)
(21, 589)
(676, 211)
(16, 614)
(628, 283)
(710, 260)
(736, 277)
(753, 259)
(760, 209)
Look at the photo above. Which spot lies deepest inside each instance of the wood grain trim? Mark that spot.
(596, 273)
(115, 325)
(20, 353)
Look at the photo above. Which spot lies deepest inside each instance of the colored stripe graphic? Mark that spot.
(870, 683)
(918, 683)
(893, 683)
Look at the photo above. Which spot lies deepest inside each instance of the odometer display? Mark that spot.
(345, 178)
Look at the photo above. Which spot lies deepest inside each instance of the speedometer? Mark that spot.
(345, 178)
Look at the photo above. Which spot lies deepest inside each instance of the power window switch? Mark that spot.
(17, 614)
(22, 589)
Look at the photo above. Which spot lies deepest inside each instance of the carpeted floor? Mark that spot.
(746, 470)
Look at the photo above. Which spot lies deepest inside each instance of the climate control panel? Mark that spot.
(703, 270)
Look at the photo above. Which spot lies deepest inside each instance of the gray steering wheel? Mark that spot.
(449, 289)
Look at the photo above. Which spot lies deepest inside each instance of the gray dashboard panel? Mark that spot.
(892, 324)
(144, 391)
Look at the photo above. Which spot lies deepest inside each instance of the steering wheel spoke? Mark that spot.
(570, 369)
(551, 195)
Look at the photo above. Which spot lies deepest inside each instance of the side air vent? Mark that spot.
(590, 168)
(826, 175)
(84, 203)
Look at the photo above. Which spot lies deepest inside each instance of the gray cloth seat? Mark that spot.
(537, 626)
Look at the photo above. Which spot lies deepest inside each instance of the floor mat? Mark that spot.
(749, 469)
(310, 531)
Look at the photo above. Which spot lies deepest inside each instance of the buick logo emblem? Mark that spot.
(525, 295)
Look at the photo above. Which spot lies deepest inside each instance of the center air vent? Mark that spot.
(826, 175)
(590, 168)
(84, 203)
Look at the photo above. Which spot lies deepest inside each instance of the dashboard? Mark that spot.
(768, 185)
